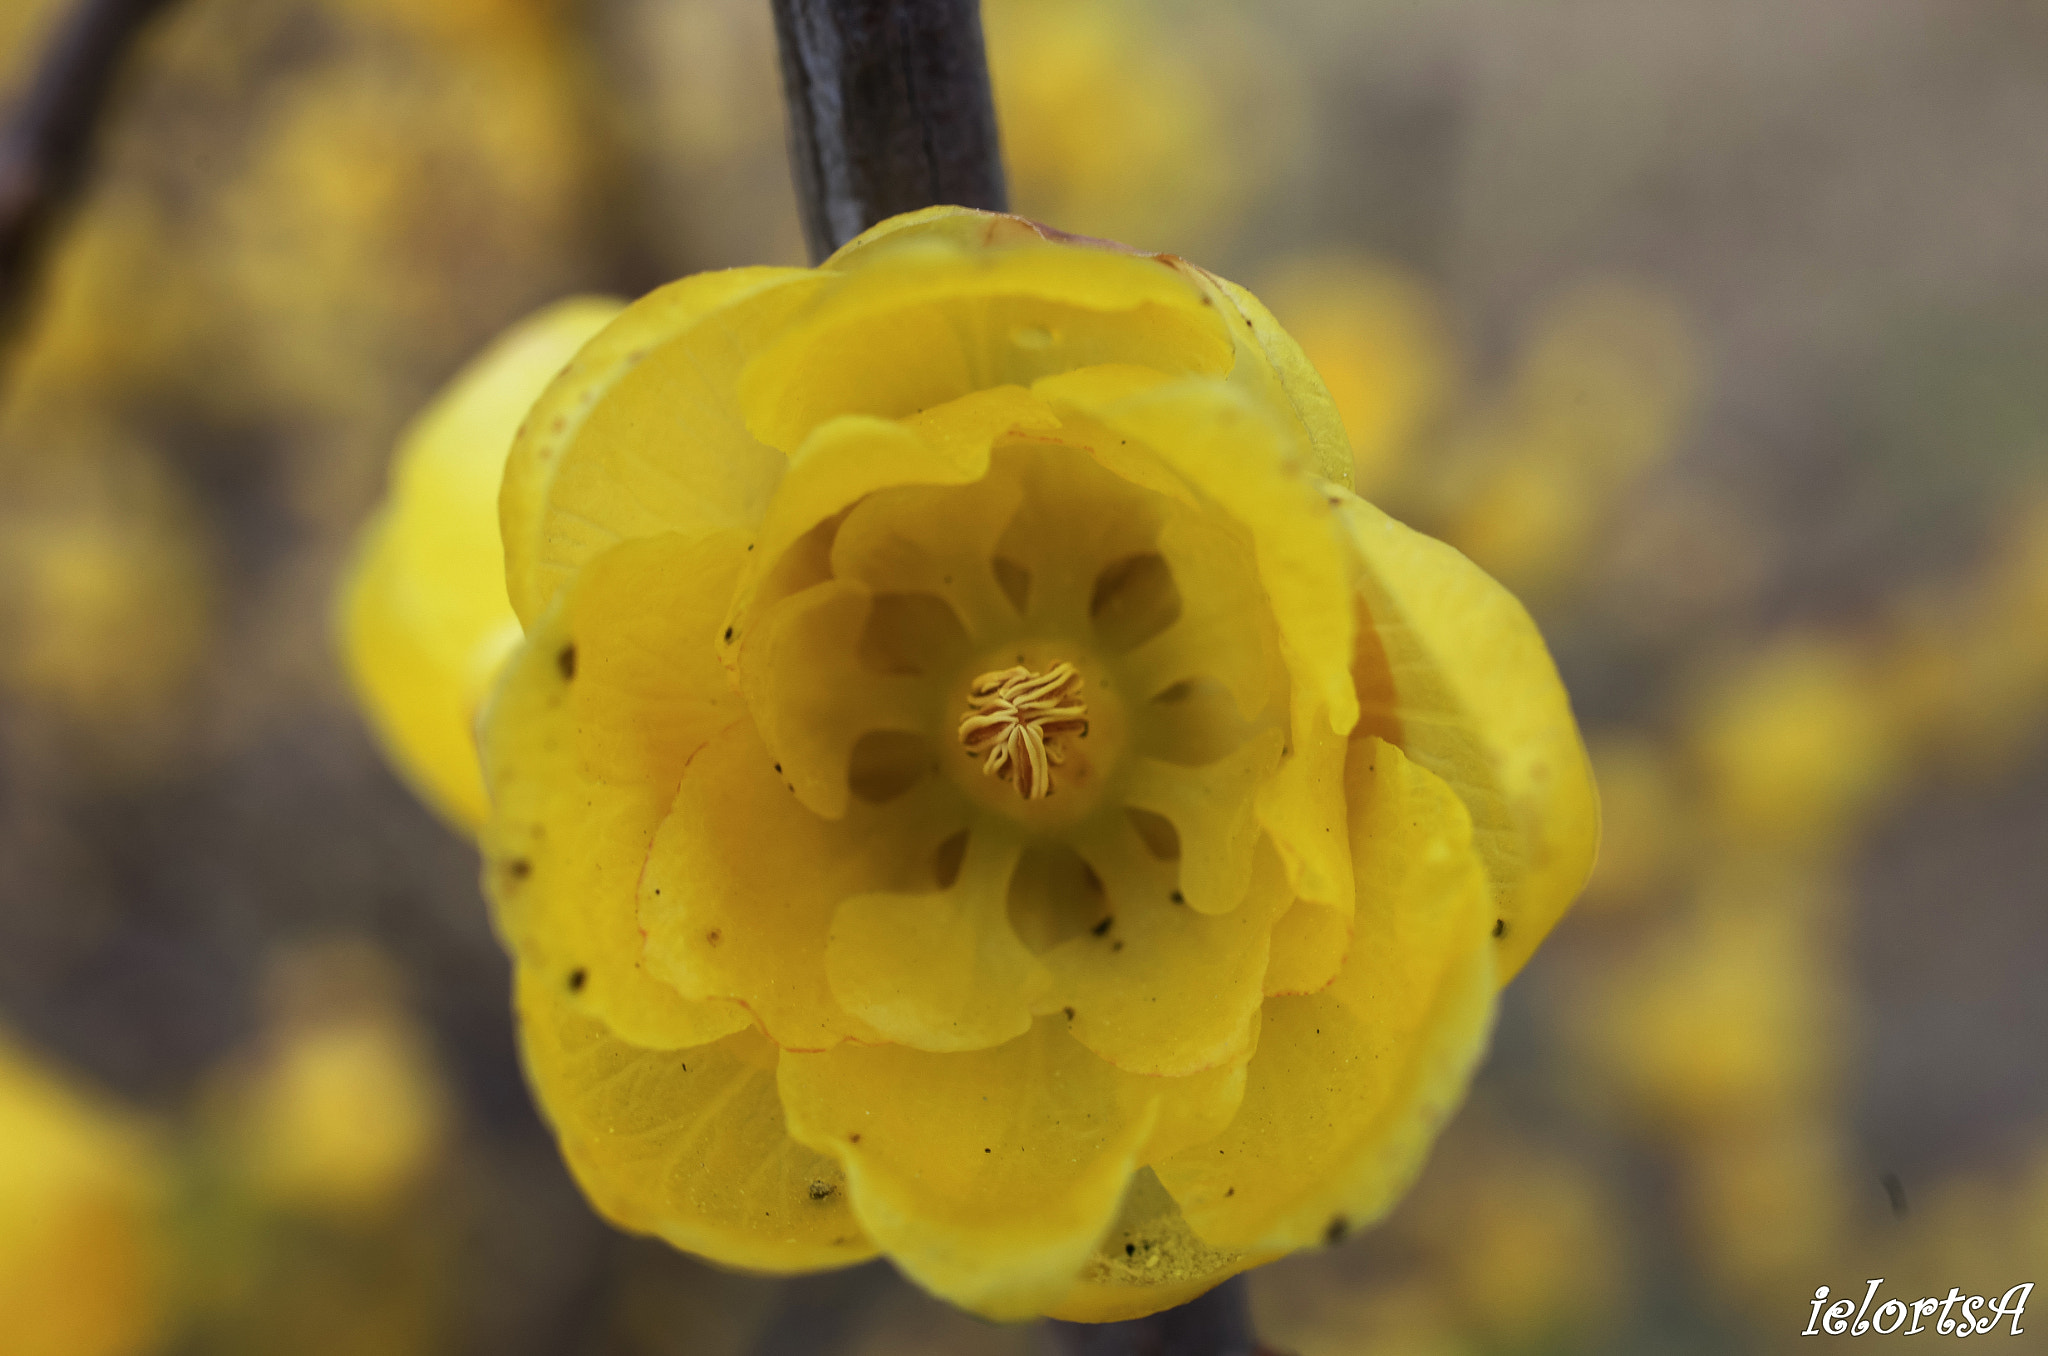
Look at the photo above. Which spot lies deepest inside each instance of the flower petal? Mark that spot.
(584, 744)
(1350, 1085)
(1272, 367)
(988, 1175)
(742, 882)
(1451, 668)
(1211, 808)
(811, 697)
(1163, 989)
(1309, 945)
(688, 1144)
(1237, 457)
(425, 623)
(922, 320)
(940, 970)
(642, 432)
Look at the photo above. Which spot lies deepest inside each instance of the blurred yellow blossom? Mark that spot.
(1145, 122)
(105, 585)
(1768, 1205)
(1530, 1244)
(340, 1110)
(1793, 744)
(974, 769)
(1598, 397)
(1647, 824)
(1726, 1016)
(81, 1191)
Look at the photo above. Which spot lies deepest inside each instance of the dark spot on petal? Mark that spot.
(1339, 1226)
(577, 979)
(1130, 1250)
(1069, 1012)
(712, 936)
(1179, 898)
(1117, 945)
(1102, 928)
(1500, 927)
(853, 1138)
(778, 767)
(519, 868)
(1895, 1189)
(1228, 1194)
(822, 1191)
(566, 662)
(728, 633)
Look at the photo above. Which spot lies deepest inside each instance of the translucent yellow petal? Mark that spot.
(1223, 630)
(1310, 943)
(1211, 808)
(964, 226)
(847, 458)
(812, 698)
(1148, 1261)
(940, 970)
(1162, 989)
(1452, 669)
(1272, 367)
(584, 744)
(987, 1176)
(741, 885)
(1235, 454)
(934, 540)
(688, 1145)
(424, 620)
(1301, 807)
(924, 320)
(642, 433)
(1350, 1085)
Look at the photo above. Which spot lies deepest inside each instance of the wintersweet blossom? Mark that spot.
(975, 785)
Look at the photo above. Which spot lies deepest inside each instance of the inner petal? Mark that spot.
(813, 699)
(1212, 809)
(939, 970)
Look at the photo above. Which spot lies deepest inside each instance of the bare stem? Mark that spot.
(889, 111)
(46, 146)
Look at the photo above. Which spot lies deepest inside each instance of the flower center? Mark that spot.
(1018, 718)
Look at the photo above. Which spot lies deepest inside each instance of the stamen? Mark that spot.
(1018, 717)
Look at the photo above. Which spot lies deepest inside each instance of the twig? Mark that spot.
(1216, 1324)
(47, 144)
(889, 110)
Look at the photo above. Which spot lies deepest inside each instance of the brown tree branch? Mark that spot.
(46, 146)
(889, 111)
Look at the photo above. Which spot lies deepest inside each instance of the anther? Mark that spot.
(1016, 717)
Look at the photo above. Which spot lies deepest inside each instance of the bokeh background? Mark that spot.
(1718, 329)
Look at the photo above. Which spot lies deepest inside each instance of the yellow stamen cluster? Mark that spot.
(1017, 716)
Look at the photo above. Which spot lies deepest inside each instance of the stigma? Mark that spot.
(1017, 718)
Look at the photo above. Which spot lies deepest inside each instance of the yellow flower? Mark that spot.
(977, 787)
(81, 1191)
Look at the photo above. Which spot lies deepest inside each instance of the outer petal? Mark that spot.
(642, 433)
(1451, 668)
(1272, 367)
(988, 1176)
(425, 622)
(1350, 1085)
(615, 690)
(923, 320)
(685, 1144)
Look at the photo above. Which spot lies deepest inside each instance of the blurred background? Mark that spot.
(1717, 330)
